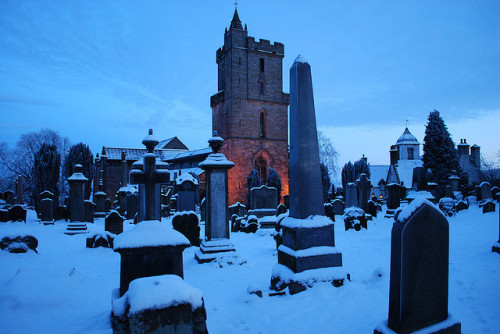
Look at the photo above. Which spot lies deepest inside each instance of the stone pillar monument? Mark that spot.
(76, 202)
(307, 227)
(216, 243)
(100, 200)
(19, 190)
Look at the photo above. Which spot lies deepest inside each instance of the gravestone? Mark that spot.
(216, 242)
(393, 199)
(237, 209)
(88, 211)
(351, 195)
(47, 211)
(338, 206)
(355, 218)
(419, 180)
(186, 192)
(306, 227)
(188, 224)
(488, 206)
(479, 196)
(4, 215)
(113, 222)
(485, 190)
(8, 197)
(372, 208)
(329, 211)
(418, 293)
(286, 201)
(132, 205)
(76, 202)
(281, 209)
(263, 197)
(100, 202)
(19, 190)
(454, 180)
(107, 205)
(364, 185)
(17, 213)
(495, 193)
(461, 205)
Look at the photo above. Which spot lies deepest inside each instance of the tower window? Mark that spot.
(261, 167)
(262, 124)
(411, 153)
(262, 64)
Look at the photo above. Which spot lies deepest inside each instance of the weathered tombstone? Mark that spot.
(88, 211)
(186, 192)
(338, 206)
(281, 209)
(372, 208)
(203, 209)
(188, 224)
(19, 190)
(393, 199)
(216, 242)
(17, 213)
(419, 180)
(364, 185)
(418, 294)
(100, 202)
(447, 206)
(113, 222)
(76, 207)
(107, 205)
(485, 190)
(132, 205)
(495, 193)
(329, 211)
(263, 197)
(237, 209)
(454, 180)
(47, 211)
(479, 196)
(8, 197)
(488, 206)
(306, 227)
(433, 189)
(461, 205)
(4, 215)
(355, 218)
(286, 201)
(351, 195)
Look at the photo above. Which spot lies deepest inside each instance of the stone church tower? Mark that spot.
(250, 110)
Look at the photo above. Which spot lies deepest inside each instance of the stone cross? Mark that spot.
(150, 177)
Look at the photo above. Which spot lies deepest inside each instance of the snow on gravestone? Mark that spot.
(418, 293)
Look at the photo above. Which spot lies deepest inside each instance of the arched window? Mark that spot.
(261, 167)
(262, 123)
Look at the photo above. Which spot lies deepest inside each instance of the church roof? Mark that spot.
(134, 154)
(236, 22)
(171, 143)
(377, 173)
(407, 138)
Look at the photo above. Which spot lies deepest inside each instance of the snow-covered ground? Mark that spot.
(66, 288)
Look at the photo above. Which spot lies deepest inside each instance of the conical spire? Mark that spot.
(236, 22)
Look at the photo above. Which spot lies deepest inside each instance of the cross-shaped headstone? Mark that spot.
(150, 177)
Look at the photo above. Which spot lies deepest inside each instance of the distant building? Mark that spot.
(469, 160)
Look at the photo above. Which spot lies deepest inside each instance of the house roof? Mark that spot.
(377, 173)
(405, 171)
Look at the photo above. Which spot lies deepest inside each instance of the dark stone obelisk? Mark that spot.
(77, 183)
(308, 235)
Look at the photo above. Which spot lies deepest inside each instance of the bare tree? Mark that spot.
(328, 155)
(490, 171)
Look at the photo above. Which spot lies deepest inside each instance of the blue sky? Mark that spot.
(103, 72)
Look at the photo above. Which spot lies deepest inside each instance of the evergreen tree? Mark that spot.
(47, 165)
(274, 180)
(348, 174)
(253, 180)
(440, 154)
(80, 154)
(325, 180)
(361, 166)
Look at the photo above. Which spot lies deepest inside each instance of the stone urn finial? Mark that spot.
(150, 141)
(215, 142)
(78, 168)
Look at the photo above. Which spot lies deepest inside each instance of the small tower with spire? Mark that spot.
(250, 110)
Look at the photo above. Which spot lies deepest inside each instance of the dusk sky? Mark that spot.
(103, 72)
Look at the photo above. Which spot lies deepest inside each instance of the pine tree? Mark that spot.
(361, 166)
(440, 154)
(325, 180)
(47, 165)
(253, 180)
(274, 180)
(348, 174)
(80, 154)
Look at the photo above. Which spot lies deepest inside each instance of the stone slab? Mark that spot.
(304, 237)
(448, 326)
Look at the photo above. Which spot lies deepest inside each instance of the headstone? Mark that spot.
(454, 180)
(479, 196)
(100, 202)
(447, 206)
(281, 209)
(122, 192)
(19, 190)
(372, 208)
(495, 191)
(107, 205)
(485, 191)
(418, 294)
(88, 211)
(447, 191)
(286, 201)
(8, 197)
(329, 211)
(113, 222)
(355, 218)
(132, 205)
(47, 211)
(4, 215)
(263, 197)
(216, 242)
(237, 209)
(188, 224)
(351, 195)
(76, 207)
(419, 180)
(393, 199)
(17, 213)
(338, 206)
(364, 185)
(461, 205)
(186, 192)
(306, 227)
(488, 206)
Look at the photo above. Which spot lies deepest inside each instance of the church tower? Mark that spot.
(250, 110)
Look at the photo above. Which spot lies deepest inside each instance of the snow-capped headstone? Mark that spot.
(17, 213)
(216, 243)
(187, 223)
(478, 192)
(186, 192)
(485, 190)
(418, 293)
(393, 199)
(237, 209)
(351, 195)
(372, 208)
(107, 205)
(338, 206)
(419, 179)
(454, 180)
(76, 202)
(132, 205)
(263, 197)
(113, 222)
(308, 235)
(489, 206)
(364, 185)
(461, 205)
(88, 211)
(46, 207)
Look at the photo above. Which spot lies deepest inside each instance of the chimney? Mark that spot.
(394, 154)
(463, 148)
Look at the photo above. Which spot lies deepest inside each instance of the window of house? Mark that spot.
(261, 167)
(411, 153)
(262, 64)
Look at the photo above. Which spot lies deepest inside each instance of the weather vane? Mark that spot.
(407, 122)
(236, 4)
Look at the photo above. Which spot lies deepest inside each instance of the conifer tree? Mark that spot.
(325, 180)
(81, 154)
(348, 174)
(274, 180)
(47, 165)
(361, 166)
(440, 154)
(253, 180)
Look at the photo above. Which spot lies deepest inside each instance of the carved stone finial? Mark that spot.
(150, 141)
(215, 142)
